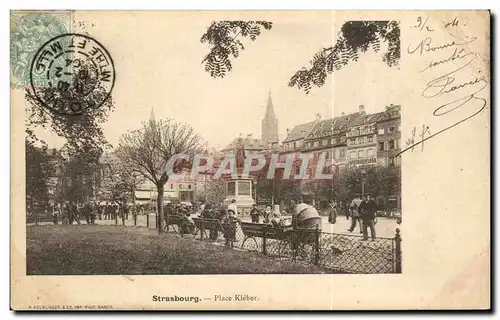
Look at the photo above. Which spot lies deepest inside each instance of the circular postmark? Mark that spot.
(77, 71)
(28, 32)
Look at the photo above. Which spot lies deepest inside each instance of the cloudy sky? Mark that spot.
(158, 58)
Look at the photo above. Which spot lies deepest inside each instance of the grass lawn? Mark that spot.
(109, 250)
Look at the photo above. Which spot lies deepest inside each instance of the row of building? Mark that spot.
(358, 139)
(355, 139)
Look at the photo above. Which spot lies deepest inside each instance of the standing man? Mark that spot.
(86, 211)
(367, 210)
(354, 207)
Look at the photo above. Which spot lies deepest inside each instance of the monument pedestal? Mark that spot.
(240, 190)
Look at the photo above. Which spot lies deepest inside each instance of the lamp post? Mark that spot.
(363, 173)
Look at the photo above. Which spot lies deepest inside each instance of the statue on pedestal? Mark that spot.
(239, 189)
(239, 153)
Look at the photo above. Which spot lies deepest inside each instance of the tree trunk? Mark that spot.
(159, 204)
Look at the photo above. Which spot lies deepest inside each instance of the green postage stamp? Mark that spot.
(29, 30)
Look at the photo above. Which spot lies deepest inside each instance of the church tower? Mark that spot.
(269, 124)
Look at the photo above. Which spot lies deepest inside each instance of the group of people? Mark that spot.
(363, 211)
(69, 212)
(227, 217)
(270, 216)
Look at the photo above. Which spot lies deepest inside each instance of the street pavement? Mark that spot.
(385, 227)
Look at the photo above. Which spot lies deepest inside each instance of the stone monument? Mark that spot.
(240, 189)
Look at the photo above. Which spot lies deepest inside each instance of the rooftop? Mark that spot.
(366, 119)
(327, 127)
(299, 132)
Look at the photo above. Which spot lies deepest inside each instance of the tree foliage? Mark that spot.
(79, 174)
(215, 191)
(355, 37)
(223, 37)
(378, 181)
(118, 181)
(39, 171)
(147, 151)
(78, 162)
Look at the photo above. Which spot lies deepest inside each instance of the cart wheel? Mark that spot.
(251, 244)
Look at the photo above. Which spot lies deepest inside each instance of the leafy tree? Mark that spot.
(147, 151)
(289, 189)
(117, 181)
(79, 174)
(215, 191)
(39, 171)
(82, 131)
(223, 39)
(379, 181)
(354, 38)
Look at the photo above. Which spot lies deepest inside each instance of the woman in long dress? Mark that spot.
(332, 215)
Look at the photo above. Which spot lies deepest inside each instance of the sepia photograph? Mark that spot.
(177, 143)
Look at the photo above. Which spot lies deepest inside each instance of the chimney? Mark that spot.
(361, 108)
(249, 136)
(342, 114)
(287, 131)
(318, 116)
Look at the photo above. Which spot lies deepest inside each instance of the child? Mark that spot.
(188, 224)
(229, 224)
(267, 214)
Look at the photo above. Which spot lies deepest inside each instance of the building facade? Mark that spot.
(295, 138)
(329, 137)
(178, 190)
(362, 140)
(389, 137)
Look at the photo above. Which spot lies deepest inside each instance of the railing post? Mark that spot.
(295, 249)
(167, 222)
(181, 227)
(202, 229)
(317, 234)
(135, 219)
(147, 220)
(116, 219)
(397, 240)
(123, 219)
(264, 239)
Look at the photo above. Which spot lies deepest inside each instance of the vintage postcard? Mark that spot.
(251, 160)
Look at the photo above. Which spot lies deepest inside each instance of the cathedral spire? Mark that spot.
(269, 124)
(152, 115)
(270, 108)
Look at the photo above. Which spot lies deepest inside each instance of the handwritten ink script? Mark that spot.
(454, 84)
(423, 134)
